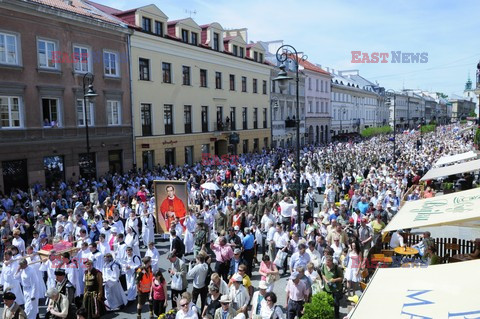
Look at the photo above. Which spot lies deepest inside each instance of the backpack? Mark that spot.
(209, 274)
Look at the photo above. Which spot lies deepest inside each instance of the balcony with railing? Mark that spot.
(290, 123)
(223, 126)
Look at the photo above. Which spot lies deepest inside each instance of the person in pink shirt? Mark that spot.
(269, 272)
(223, 255)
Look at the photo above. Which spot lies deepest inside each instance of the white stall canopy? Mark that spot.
(455, 158)
(459, 208)
(452, 170)
(433, 292)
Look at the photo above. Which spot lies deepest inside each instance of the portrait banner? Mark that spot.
(171, 202)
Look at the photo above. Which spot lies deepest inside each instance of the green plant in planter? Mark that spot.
(447, 185)
(321, 307)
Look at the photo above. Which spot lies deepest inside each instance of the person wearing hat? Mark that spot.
(63, 285)
(12, 309)
(297, 294)
(239, 294)
(258, 298)
(226, 311)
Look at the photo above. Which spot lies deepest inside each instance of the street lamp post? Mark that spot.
(394, 124)
(342, 113)
(88, 96)
(285, 52)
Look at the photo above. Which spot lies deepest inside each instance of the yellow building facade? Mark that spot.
(195, 90)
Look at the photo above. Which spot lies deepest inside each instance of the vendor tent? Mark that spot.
(439, 292)
(459, 208)
(452, 170)
(455, 158)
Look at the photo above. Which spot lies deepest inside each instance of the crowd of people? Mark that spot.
(249, 224)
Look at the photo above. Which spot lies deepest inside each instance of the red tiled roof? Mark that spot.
(312, 67)
(81, 8)
(174, 22)
(226, 39)
(104, 8)
(205, 26)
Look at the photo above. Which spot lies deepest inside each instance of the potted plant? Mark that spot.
(321, 307)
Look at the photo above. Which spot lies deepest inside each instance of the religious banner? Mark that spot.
(171, 202)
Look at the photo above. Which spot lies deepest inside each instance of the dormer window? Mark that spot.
(159, 28)
(216, 39)
(242, 52)
(260, 55)
(255, 55)
(147, 24)
(235, 50)
(184, 36)
(194, 38)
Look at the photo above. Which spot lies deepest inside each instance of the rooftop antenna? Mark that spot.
(190, 12)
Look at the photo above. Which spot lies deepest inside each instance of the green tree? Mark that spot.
(472, 114)
(321, 307)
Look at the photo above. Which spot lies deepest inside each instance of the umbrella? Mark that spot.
(210, 186)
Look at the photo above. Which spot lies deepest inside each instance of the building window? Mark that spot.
(186, 75)
(310, 83)
(50, 112)
(260, 57)
(47, 54)
(218, 80)
(81, 115)
(244, 118)
(254, 83)
(81, 59)
(273, 86)
(8, 49)
(203, 78)
(264, 87)
(147, 24)
(187, 118)
(316, 85)
(216, 41)
(235, 50)
(144, 69)
(146, 115)
(310, 108)
(245, 146)
(204, 117)
(264, 118)
(255, 118)
(166, 70)
(317, 108)
(194, 38)
(244, 84)
(184, 36)
(255, 145)
(255, 55)
(110, 63)
(205, 148)
(10, 112)
(232, 82)
(54, 169)
(168, 119)
(233, 119)
(242, 52)
(189, 155)
(170, 156)
(159, 28)
(113, 113)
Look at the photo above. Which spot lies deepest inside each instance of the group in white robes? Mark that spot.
(114, 294)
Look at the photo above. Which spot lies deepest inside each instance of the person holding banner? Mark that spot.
(172, 207)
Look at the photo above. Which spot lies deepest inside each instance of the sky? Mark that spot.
(328, 31)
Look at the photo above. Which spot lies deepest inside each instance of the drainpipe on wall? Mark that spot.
(134, 150)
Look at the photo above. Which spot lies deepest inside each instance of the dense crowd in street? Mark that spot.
(249, 223)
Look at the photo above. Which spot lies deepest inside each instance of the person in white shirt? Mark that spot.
(397, 239)
(129, 267)
(153, 253)
(281, 242)
(18, 242)
(287, 206)
(198, 273)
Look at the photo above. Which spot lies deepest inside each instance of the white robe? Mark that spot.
(132, 241)
(42, 289)
(129, 268)
(50, 267)
(8, 281)
(72, 274)
(114, 294)
(30, 291)
(190, 224)
(148, 232)
(104, 247)
(154, 254)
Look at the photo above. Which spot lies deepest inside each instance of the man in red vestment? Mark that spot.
(172, 207)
